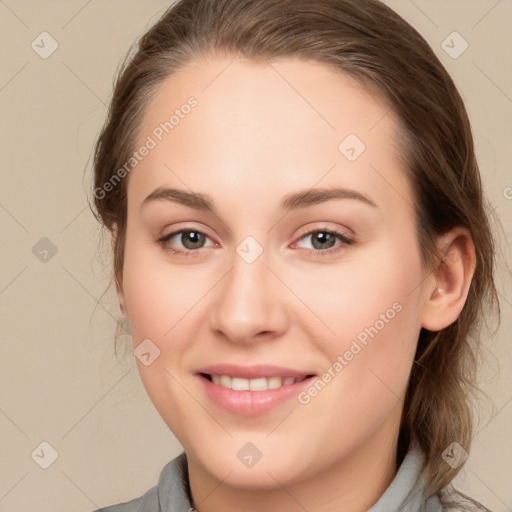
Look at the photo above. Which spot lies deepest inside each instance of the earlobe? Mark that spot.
(448, 288)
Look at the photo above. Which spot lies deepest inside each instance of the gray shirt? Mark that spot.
(404, 494)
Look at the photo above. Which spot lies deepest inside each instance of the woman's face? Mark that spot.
(298, 273)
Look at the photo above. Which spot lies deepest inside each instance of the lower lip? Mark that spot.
(251, 403)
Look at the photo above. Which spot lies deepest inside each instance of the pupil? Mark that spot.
(328, 237)
(192, 239)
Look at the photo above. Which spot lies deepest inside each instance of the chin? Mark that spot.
(277, 466)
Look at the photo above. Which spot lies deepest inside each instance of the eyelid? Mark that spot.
(172, 234)
(307, 230)
(345, 238)
(176, 230)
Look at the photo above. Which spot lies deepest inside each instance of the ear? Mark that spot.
(119, 282)
(448, 285)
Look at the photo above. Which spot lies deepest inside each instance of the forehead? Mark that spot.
(256, 126)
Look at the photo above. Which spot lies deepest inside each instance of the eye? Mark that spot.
(323, 241)
(190, 239)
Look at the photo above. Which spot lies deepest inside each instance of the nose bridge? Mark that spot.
(244, 305)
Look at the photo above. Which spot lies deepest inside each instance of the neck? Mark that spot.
(353, 484)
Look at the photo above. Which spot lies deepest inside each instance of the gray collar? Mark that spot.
(173, 486)
(406, 491)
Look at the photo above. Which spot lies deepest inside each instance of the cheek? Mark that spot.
(157, 295)
(159, 301)
(372, 310)
(359, 292)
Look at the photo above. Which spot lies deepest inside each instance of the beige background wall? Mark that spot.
(60, 381)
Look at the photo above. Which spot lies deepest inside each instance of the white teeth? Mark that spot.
(239, 384)
(259, 384)
(274, 382)
(225, 381)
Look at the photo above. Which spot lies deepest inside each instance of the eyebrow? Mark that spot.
(293, 201)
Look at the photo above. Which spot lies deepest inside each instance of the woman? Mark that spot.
(302, 251)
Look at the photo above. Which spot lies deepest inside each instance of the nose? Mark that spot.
(250, 303)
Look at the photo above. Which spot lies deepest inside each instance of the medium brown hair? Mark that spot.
(368, 41)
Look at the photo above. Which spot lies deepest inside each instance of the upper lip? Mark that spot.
(254, 371)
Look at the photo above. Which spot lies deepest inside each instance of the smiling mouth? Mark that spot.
(257, 384)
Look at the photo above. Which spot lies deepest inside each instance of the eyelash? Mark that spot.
(316, 252)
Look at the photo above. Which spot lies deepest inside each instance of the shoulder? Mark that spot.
(146, 503)
(453, 500)
(171, 493)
